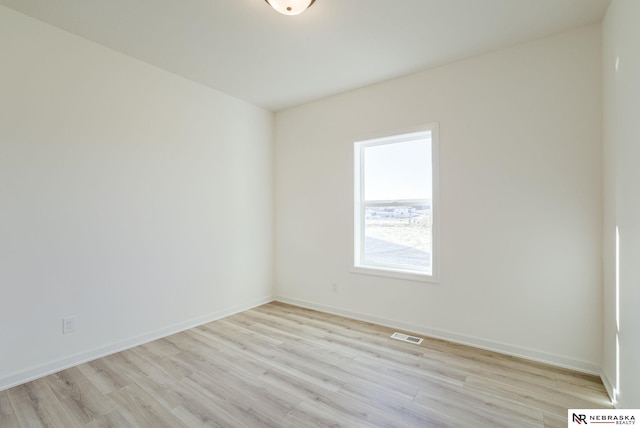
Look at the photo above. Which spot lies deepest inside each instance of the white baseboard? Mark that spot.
(609, 387)
(516, 351)
(74, 360)
(83, 357)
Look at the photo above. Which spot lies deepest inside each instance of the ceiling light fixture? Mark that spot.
(290, 7)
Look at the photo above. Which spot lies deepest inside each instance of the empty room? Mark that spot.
(312, 213)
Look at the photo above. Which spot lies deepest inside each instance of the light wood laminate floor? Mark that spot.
(283, 366)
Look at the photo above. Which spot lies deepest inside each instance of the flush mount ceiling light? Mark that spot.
(290, 7)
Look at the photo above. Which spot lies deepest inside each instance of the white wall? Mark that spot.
(134, 199)
(621, 66)
(520, 160)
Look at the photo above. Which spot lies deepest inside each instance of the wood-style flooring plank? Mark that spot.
(546, 399)
(36, 405)
(104, 376)
(110, 420)
(222, 401)
(474, 407)
(7, 415)
(79, 397)
(142, 410)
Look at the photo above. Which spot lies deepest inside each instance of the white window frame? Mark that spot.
(359, 207)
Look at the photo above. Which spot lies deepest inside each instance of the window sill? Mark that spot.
(396, 274)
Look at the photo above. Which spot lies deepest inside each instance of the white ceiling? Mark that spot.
(246, 49)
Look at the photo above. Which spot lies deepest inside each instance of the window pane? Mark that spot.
(398, 236)
(394, 233)
(398, 171)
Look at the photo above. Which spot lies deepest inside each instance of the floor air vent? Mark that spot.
(405, 338)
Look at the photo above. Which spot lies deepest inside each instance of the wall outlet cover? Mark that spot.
(68, 325)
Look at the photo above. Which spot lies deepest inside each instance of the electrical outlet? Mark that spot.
(68, 325)
(334, 287)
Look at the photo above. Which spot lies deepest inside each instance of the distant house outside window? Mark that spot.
(395, 205)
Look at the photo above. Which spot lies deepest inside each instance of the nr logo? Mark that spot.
(580, 419)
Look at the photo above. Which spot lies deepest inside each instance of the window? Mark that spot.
(395, 205)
